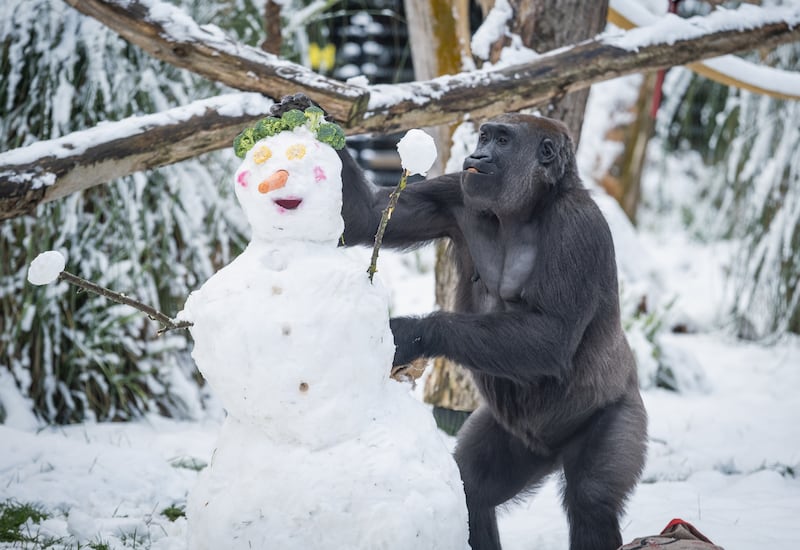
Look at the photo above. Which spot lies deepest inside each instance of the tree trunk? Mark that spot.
(545, 25)
(623, 179)
(434, 26)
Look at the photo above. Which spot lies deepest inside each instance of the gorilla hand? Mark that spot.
(407, 333)
(297, 101)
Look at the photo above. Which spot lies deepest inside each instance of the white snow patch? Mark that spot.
(492, 28)
(417, 151)
(46, 267)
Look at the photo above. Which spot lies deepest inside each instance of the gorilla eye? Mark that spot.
(547, 151)
(502, 140)
(482, 137)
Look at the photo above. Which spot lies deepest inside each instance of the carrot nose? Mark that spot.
(273, 182)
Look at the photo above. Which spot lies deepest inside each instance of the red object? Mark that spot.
(689, 527)
(673, 8)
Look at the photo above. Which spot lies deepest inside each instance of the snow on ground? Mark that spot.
(723, 459)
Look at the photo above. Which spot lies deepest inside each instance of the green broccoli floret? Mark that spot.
(294, 118)
(267, 127)
(315, 116)
(332, 134)
(244, 142)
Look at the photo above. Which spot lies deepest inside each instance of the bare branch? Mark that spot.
(167, 322)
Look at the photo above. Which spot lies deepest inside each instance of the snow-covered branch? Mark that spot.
(727, 69)
(49, 170)
(169, 34)
(52, 169)
(669, 42)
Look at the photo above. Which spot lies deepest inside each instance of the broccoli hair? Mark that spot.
(244, 142)
(269, 127)
(313, 118)
(294, 118)
(332, 134)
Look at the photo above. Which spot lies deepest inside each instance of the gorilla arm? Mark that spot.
(518, 345)
(423, 213)
(566, 292)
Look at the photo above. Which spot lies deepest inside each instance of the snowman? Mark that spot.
(320, 448)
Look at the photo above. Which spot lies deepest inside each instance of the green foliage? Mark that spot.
(13, 515)
(189, 463)
(155, 236)
(174, 512)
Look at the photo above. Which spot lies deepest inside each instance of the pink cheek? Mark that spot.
(319, 174)
(241, 179)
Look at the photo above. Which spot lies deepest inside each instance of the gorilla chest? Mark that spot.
(504, 264)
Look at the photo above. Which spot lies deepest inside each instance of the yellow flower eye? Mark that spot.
(295, 152)
(262, 154)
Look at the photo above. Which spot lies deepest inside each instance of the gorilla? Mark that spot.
(536, 321)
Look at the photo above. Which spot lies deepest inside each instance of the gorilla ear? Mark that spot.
(547, 151)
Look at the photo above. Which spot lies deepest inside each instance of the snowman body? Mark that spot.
(320, 449)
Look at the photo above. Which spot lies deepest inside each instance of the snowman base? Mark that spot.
(260, 494)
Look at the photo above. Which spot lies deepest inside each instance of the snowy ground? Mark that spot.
(724, 459)
(724, 456)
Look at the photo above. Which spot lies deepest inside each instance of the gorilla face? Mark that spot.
(518, 161)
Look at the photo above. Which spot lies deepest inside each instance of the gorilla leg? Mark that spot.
(601, 467)
(495, 466)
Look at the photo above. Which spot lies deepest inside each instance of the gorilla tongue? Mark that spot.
(473, 170)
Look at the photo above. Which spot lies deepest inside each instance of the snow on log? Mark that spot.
(170, 34)
(52, 169)
(663, 44)
(728, 69)
(49, 170)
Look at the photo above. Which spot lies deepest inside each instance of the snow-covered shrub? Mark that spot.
(155, 235)
(749, 192)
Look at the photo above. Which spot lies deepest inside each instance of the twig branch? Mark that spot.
(167, 322)
(386, 215)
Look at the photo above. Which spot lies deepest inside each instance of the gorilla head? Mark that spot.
(519, 161)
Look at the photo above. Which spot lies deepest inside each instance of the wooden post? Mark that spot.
(435, 27)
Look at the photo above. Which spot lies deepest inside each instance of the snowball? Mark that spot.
(417, 152)
(46, 267)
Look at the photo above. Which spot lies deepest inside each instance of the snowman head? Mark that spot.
(290, 183)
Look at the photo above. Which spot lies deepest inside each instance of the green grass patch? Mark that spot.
(174, 512)
(188, 463)
(13, 516)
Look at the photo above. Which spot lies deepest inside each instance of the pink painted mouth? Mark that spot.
(289, 203)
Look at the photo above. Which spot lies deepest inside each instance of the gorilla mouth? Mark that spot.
(288, 204)
(473, 170)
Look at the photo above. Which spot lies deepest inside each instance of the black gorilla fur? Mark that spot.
(537, 322)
